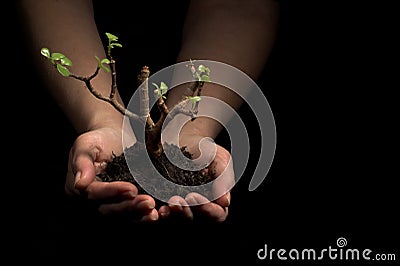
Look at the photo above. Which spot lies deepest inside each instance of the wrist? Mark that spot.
(202, 126)
(104, 118)
(194, 132)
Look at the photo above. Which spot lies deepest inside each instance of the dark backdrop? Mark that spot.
(331, 91)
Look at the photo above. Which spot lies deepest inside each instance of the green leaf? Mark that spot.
(57, 56)
(105, 61)
(163, 88)
(204, 69)
(194, 100)
(100, 63)
(45, 52)
(111, 37)
(66, 61)
(205, 78)
(116, 44)
(63, 70)
(106, 68)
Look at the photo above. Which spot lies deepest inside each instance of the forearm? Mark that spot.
(68, 27)
(238, 33)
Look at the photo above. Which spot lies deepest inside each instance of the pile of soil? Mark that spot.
(118, 170)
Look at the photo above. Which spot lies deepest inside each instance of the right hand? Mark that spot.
(87, 158)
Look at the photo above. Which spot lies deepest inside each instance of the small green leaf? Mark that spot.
(163, 88)
(100, 63)
(194, 100)
(57, 56)
(106, 68)
(45, 52)
(116, 44)
(205, 78)
(63, 70)
(111, 37)
(204, 69)
(66, 61)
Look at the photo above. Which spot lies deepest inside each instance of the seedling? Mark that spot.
(153, 129)
(117, 169)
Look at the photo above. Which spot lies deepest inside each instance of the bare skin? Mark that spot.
(240, 33)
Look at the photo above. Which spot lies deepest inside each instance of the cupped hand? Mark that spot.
(194, 204)
(87, 158)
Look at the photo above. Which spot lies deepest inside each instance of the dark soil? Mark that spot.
(118, 170)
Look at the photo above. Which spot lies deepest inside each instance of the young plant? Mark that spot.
(152, 129)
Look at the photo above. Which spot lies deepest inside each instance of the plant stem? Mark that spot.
(143, 80)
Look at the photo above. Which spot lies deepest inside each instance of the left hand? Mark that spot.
(196, 205)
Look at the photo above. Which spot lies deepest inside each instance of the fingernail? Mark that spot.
(228, 198)
(191, 201)
(150, 217)
(77, 177)
(153, 216)
(145, 205)
(130, 194)
(164, 213)
(176, 206)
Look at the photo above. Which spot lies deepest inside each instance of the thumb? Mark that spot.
(85, 171)
(225, 176)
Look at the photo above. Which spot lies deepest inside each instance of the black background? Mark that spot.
(330, 82)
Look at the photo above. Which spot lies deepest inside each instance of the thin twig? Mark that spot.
(111, 99)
